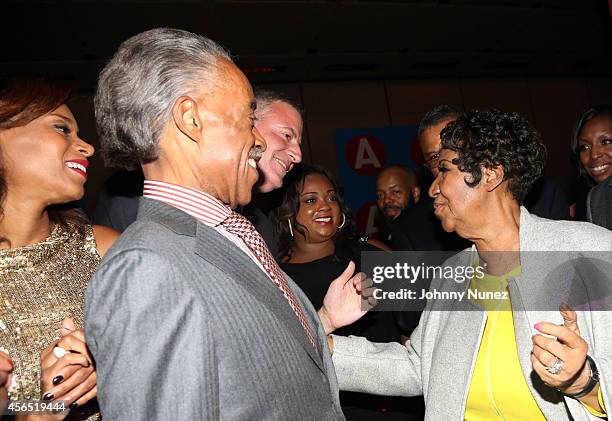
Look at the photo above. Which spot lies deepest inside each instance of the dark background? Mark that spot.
(350, 63)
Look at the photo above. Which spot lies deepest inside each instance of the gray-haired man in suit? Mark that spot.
(189, 317)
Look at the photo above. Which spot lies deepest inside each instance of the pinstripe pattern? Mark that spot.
(241, 227)
(183, 325)
(210, 211)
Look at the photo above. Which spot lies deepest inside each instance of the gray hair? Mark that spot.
(266, 97)
(139, 86)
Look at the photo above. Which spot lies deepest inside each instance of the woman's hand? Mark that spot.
(570, 349)
(6, 369)
(71, 377)
(348, 298)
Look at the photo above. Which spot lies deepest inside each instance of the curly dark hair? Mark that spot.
(584, 118)
(491, 138)
(290, 207)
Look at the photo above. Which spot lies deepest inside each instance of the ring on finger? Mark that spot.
(555, 367)
(59, 352)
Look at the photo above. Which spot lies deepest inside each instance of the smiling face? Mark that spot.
(45, 160)
(595, 147)
(281, 126)
(227, 163)
(319, 211)
(457, 205)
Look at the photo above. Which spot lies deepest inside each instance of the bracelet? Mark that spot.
(593, 380)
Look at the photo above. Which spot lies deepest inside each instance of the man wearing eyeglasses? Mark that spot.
(429, 133)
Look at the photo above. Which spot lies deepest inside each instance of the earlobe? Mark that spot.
(186, 118)
(493, 177)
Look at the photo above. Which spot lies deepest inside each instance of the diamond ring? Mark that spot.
(59, 352)
(556, 367)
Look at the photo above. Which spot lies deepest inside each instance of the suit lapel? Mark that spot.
(222, 253)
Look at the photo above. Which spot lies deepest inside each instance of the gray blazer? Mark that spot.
(183, 325)
(599, 204)
(440, 356)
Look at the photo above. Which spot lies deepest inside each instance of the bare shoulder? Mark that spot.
(105, 237)
(378, 244)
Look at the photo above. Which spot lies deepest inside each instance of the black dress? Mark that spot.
(314, 279)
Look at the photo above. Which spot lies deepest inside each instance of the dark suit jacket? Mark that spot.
(599, 204)
(185, 326)
(547, 199)
(417, 228)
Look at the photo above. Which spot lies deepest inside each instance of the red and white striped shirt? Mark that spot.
(202, 206)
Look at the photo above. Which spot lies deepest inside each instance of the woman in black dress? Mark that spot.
(317, 241)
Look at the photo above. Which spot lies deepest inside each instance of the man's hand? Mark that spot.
(348, 298)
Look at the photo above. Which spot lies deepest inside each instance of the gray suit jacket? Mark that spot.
(599, 204)
(183, 325)
(440, 356)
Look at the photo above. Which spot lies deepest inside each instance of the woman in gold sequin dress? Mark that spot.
(46, 256)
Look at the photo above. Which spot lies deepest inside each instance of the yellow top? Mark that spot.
(498, 389)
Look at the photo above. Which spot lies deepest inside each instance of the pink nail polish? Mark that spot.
(537, 326)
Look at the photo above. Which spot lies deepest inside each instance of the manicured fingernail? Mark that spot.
(537, 326)
(73, 405)
(47, 396)
(58, 379)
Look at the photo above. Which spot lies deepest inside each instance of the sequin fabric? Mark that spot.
(40, 285)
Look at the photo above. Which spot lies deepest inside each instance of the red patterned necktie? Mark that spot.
(242, 228)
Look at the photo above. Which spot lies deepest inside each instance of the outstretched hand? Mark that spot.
(348, 298)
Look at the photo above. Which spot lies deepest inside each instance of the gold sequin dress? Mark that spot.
(40, 285)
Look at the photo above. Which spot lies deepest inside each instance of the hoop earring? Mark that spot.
(343, 221)
(290, 227)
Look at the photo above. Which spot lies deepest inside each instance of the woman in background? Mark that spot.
(592, 148)
(46, 256)
(317, 241)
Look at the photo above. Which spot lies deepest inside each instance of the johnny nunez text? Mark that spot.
(434, 294)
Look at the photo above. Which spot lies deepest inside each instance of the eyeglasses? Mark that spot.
(433, 160)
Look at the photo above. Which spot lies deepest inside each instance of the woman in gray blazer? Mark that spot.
(469, 358)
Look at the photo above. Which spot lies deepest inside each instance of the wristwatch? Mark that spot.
(593, 380)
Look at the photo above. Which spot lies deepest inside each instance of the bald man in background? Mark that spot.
(396, 188)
